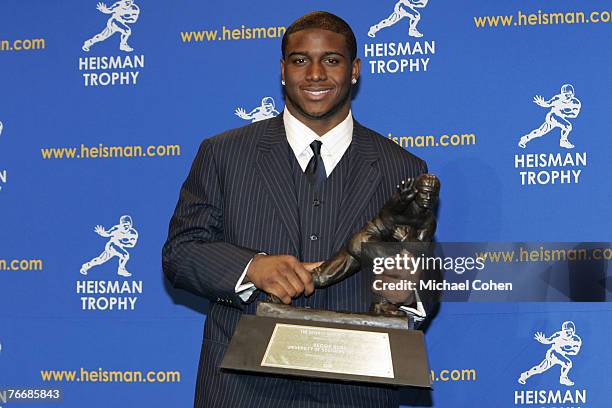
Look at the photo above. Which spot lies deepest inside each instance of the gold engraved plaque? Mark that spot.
(329, 350)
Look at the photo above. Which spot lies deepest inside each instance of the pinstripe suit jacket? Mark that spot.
(239, 200)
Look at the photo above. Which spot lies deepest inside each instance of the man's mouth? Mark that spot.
(424, 203)
(317, 93)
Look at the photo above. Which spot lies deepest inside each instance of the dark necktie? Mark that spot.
(315, 170)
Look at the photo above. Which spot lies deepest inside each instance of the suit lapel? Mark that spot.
(275, 171)
(364, 178)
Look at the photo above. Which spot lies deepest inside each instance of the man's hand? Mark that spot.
(539, 336)
(103, 8)
(241, 113)
(538, 100)
(283, 276)
(100, 230)
(404, 194)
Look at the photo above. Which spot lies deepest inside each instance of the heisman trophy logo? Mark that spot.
(563, 106)
(267, 110)
(402, 9)
(121, 236)
(563, 344)
(122, 13)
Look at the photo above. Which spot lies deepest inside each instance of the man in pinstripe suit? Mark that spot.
(264, 201)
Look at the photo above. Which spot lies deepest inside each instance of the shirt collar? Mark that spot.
(334, 142)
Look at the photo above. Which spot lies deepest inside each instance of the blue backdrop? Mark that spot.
(91, 132)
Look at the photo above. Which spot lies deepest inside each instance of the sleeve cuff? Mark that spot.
(245, 290)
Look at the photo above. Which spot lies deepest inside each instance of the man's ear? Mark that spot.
(356, 70)
(282, 69)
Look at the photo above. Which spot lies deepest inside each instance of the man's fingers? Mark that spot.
(309, 266)
(281, 275)
(287, 286)
(277, 290)
(296, 282)
(305, 275)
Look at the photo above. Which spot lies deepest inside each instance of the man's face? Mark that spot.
(317, 71)
(426, 196)
(267, 106)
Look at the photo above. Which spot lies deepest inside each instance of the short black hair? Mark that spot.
(324, 21)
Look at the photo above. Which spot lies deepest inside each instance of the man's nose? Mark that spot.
(316, 72)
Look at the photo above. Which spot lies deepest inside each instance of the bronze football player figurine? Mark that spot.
(407, 217)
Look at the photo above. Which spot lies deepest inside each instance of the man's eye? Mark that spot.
(299, 60)
(332, 61)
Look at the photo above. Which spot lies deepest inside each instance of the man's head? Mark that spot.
(567, 90)
(125, 221)
(267, 104)
(568, 328)
(318, 65)
(428, 191)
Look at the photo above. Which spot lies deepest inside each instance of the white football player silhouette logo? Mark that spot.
(563, 343)
(402, 9)
(267, 110)
(562, 106)
(121, 236)
(122, 13)
(1, 127)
